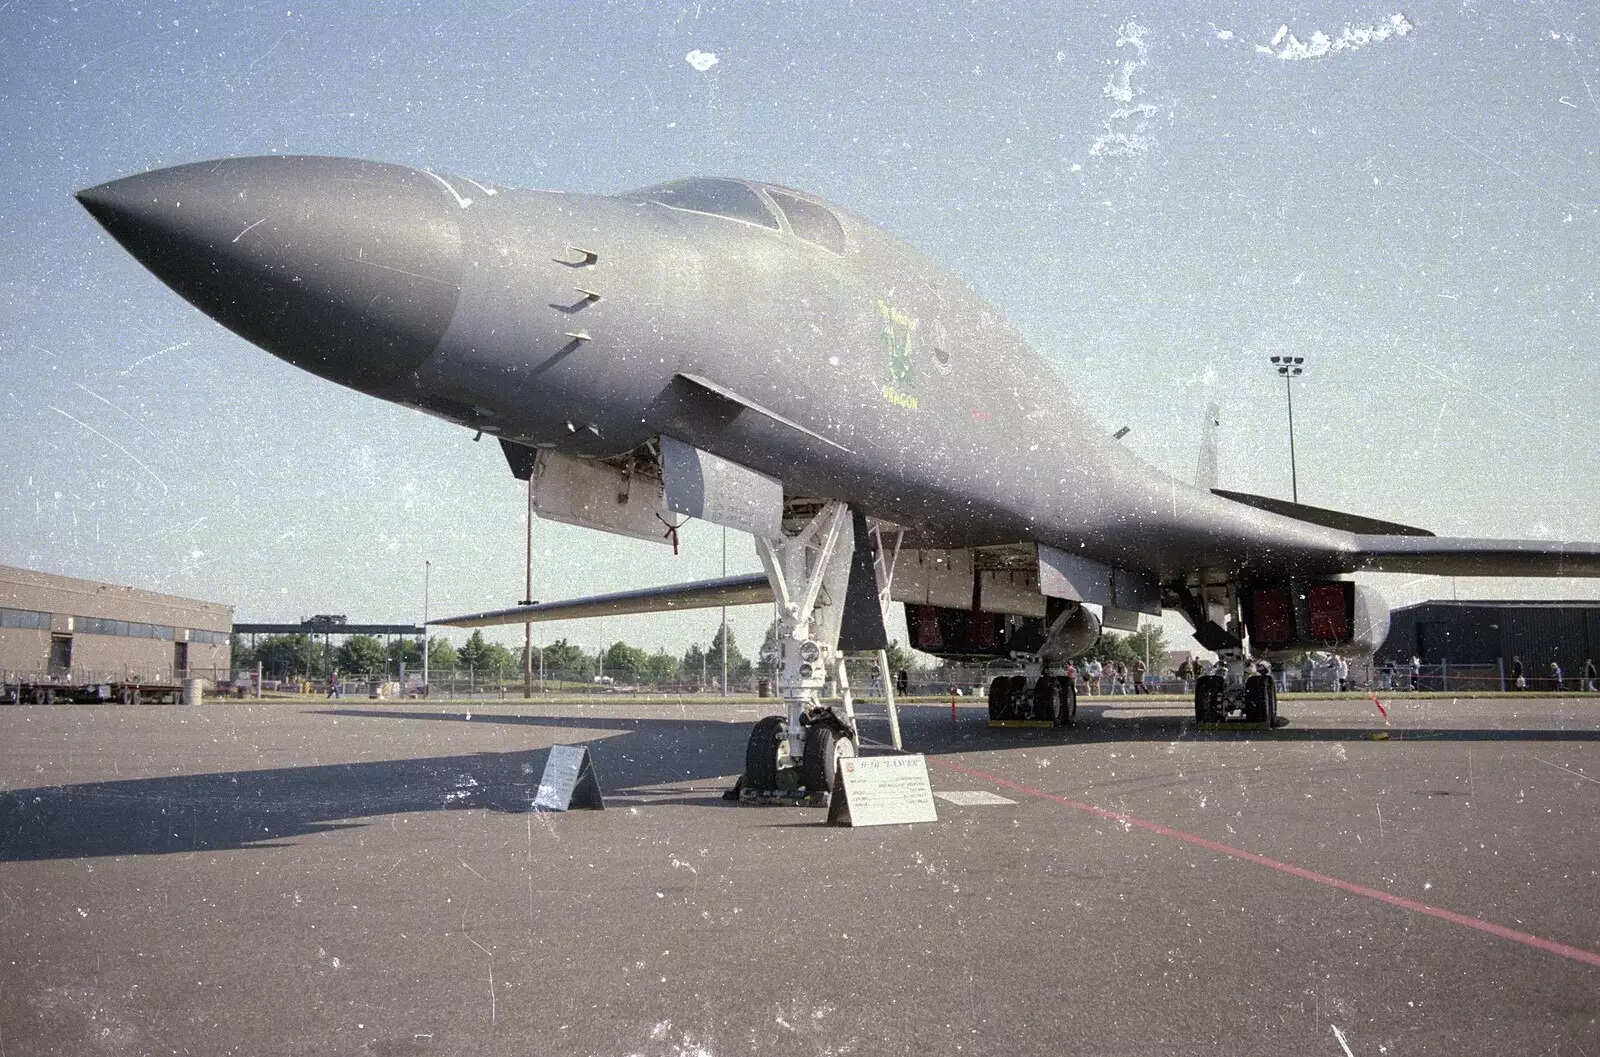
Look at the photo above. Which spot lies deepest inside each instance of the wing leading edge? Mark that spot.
(747, 590)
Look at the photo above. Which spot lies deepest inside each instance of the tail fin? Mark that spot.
(1205, 474)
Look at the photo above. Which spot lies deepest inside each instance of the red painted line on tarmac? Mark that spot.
(1577, 954)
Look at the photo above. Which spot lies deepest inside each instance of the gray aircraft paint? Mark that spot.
(574, 316)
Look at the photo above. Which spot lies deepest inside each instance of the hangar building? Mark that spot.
(1487, 633)
(79, 631)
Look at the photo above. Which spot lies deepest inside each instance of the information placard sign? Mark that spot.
(568, 780)
(882, 791)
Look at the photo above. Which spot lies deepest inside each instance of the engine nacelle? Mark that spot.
(1333, 616)
(948, 632)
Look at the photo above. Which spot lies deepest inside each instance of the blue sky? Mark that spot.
(1158, 199)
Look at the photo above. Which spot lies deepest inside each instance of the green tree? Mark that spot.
(285, 656)
(407, 650)
(360, 655)
(1149, 644)
(738, 666)
(768, 655)
(1130, 648)
(626, 664)
(661, 667)
(899, 658)
(693, 662)
(499, 661)
(563, 660)
(474, 654)
(441, 654)
(244, 658)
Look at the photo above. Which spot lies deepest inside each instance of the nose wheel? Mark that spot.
(825, 747)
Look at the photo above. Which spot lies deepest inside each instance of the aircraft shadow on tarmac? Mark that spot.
(268, 808)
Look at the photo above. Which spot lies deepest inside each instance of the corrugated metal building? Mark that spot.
(1485, 633)
(81, 631)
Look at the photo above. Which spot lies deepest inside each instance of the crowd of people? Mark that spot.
(1111, 678)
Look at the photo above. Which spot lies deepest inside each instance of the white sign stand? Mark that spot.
(882, 791)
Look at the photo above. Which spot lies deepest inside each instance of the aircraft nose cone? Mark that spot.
(348, 269)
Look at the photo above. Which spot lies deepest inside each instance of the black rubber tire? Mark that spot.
(816, 766)
(1258, 699)
(1046, 705)
(1069, 702)
(761, 754)
(1208, 707)
(999, 693)
(1021, 700)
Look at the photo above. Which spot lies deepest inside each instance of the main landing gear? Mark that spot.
(1049, 697)
(1252, 699)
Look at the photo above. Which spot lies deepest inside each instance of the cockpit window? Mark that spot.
(810, 221)
(722, 198)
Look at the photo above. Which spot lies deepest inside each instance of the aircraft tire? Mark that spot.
(1067, 694)
(824, 747)
(1018, 697)
(1208, 707)
(761, 754)
(1047, 700)
(1258, 699)
(999, 691)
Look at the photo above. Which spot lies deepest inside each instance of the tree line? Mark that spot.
(305, 656)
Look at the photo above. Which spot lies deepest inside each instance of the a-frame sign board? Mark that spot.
(568, 781)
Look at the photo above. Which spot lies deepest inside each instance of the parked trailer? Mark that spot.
(126, 693)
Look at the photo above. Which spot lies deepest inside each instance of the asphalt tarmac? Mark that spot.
(363, 877)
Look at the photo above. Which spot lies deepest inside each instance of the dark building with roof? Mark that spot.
(1487, 633)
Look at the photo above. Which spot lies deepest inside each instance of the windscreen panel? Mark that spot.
(722, 198)
(811, 222)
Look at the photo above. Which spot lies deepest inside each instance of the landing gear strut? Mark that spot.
(798, 753)
(1211, 602)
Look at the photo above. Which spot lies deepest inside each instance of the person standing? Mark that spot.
(1308, 670)
(1519, 681)
(1558, 681)
(1343, 670)
(1416, 672)
(333, 685)
(1091, 676)
(1138, 677)
(1589, 676)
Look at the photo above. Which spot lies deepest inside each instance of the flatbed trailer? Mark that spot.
(121, 692)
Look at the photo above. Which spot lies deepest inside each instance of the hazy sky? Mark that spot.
(1159, 199)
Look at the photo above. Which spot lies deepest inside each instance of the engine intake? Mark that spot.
(1336, 616)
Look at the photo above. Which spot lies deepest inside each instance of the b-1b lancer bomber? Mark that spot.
(755, 357)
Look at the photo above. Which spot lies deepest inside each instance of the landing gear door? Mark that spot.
(711, 488)
(597, 496)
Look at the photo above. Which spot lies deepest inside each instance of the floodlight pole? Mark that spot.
(724, 614)
(1289, 368)
(427, 578)
(1294, 473)
(527, 600)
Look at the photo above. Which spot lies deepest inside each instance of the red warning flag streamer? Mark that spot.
(1385, 711)
(670, 534)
